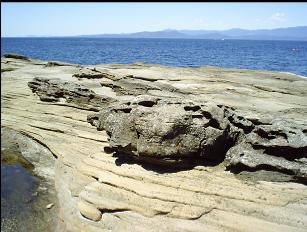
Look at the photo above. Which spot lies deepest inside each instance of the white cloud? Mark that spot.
(278, 17)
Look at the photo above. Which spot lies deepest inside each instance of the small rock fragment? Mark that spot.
(49, 206)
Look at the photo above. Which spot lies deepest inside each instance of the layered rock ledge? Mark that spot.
(167, 149)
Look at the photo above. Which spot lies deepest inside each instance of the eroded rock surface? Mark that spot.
(186, 132)
(92, 73)
(276, 146)
(129, 85)
(176, 130)
(55, 90)
(166, 129)
(102, 190)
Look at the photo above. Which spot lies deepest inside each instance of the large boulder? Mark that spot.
(167, 129)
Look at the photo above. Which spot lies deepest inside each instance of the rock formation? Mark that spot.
(15, 56)
(56, 90)
(170, 130)
(163, 129)
(92, 73)
(185, 149)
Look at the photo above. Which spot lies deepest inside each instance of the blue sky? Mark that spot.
(24, 19)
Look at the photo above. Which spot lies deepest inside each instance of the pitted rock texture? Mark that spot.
(166, 129)
(150, 128)
(99, 191)
(55, 90)
(185, 132)
(276, 146)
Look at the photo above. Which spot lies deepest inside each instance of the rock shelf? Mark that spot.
(155, 148)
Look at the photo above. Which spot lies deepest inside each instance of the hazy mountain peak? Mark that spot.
(290, 33)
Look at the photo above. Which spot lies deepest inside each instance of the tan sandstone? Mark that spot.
(131, 197)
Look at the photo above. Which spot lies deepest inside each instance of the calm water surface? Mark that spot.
(286, 56)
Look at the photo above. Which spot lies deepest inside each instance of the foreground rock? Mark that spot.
(275, 146)
(169, 130)
(105, 184)
(178, 131)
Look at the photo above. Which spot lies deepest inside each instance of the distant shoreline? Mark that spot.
(140, 38)
(297, 33)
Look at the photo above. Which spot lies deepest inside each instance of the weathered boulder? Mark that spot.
(164, 131)
(167, 129)
(276, 146)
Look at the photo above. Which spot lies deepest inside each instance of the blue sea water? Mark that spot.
(286, 56)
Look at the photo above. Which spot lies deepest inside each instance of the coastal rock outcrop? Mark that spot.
(276, 146)
(129, 85)
(179, 131)
(55, 90)
(237, 162)
(166, 130)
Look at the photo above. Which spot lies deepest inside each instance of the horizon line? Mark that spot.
(123, 33)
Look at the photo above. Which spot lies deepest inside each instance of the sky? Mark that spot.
(64, 19)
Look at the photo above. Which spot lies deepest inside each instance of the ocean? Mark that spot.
(283, 56)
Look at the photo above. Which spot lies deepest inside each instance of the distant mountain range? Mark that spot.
(290, 33)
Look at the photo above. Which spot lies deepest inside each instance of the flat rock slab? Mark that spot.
(132, 196)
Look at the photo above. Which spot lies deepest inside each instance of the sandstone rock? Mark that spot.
(131, 86)
(7, 69)
(92, 73)
(55, 90)
(161, 131)
(57, 63)
(274, 146)
(89, 211)
(136, 197)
